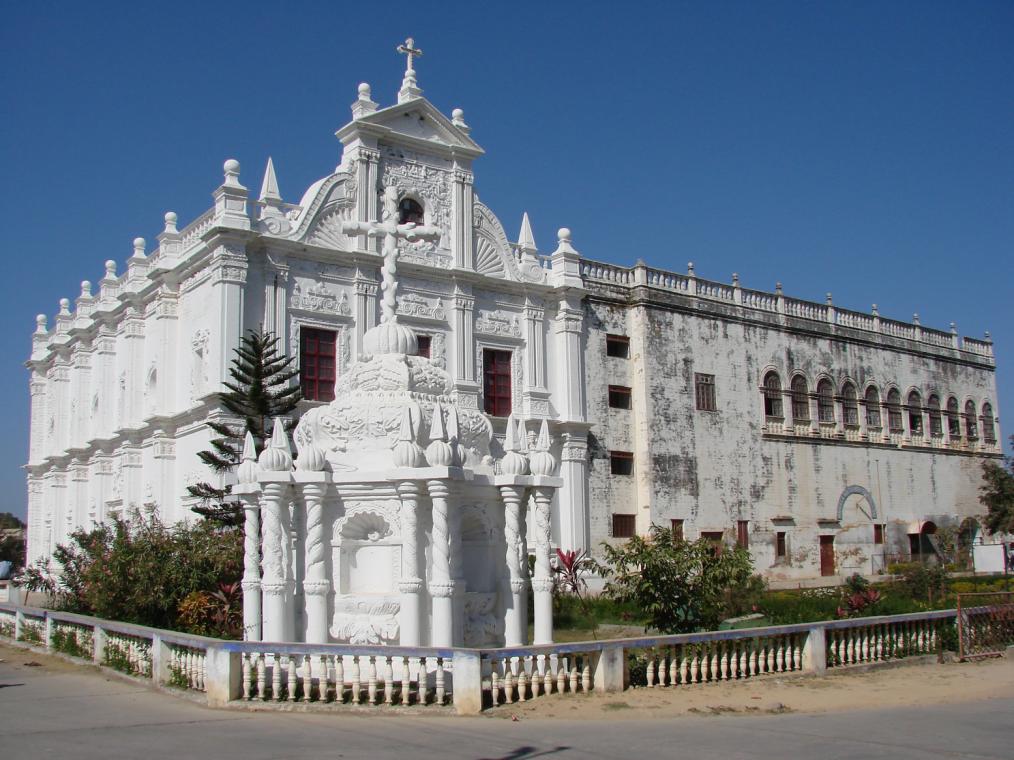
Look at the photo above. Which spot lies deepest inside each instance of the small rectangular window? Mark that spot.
(621, 463)
(618, 346)
(781, 551)
(317, 368)
(704, 390)
(619, 397)
(878, 533)
(715, 537)
(677, 529)
(425, 341)
(743, 534)
(624, 526)
(496, 382)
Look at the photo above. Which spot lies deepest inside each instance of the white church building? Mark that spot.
(825, 440)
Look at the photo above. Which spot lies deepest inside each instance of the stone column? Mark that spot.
(366, 306)
(275, 581)
(461, 215)
(516, 613)
(574, 528)
(542, 584)
(441, 585)
(315, 583)
(462, 353)
(251, 568)
(411, 582)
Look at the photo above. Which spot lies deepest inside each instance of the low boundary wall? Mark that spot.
(266, 674)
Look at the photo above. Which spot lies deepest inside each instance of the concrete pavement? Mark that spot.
(62, 710)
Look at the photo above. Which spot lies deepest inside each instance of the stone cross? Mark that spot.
(410, 51)
(391, 231)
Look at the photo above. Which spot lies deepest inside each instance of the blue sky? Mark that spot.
(863, 148)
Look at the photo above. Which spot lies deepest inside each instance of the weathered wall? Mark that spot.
(713, 468)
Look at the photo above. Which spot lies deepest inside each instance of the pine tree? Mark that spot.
(260, 390)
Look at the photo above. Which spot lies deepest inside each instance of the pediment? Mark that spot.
(417, 122)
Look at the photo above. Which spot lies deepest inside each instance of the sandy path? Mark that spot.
(901, 685)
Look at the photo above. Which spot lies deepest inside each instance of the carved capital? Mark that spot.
(442, 589)
(411, 585)
(542, 585)
(517, 585)
(250, 585)
(316, 588)
(274, 589)
(366, 154)
(464, 177)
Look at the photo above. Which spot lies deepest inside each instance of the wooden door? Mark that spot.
(827, 555)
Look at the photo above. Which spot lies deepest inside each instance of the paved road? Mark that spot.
(62, 711)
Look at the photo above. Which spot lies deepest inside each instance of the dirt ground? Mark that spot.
(901, 685)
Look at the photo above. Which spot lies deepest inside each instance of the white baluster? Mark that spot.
(406, 682)
(291, 665)
(371, 683)
(356, 683)
(388, 682)
(440, 681)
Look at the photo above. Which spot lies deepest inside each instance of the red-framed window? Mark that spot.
(496, 382)
(317, 369)
(743, 534)
(619, 397)
(425, 341)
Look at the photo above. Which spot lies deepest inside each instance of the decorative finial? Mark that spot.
(138, 248)
(407, 453)
(110, 269)
(989, 338)
(690, 269)
(454, 435)
(563, 235)
(458, 120)
(277, 456)
(40, 324)
(829, 300)
(778, 288)
(513, 462)
(915, 319)
(64, 306)
(409, 87)
(364, 103)
(735, 279)
(526, 240)
(231, 169)
(86, 289)
(269, 187)
(170, 222)
(522, 437)
(439, 452)
(542, 462)
(954, 329)
(248, 470)
(876, 313)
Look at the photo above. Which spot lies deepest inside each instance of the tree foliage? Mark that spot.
(997, 495)
(682, 586)
(260, 389)
(139, 572)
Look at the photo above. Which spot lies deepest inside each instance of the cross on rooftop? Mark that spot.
(409, 51)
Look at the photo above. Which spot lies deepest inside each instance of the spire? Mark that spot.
(526, 240)
(248, 469)
(439, 452)
(522, 437)
(406, 452)
(269, 187)
(509, 439)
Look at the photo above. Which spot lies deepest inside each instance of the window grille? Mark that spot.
(872, 408)
(496, 382)
(800, 400)
(317, 369)
(825, 401)
(850, 406)
(704, 391)
(772, 396)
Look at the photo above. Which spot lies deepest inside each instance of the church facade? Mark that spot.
(827, 441)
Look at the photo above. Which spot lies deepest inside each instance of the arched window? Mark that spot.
(850, 405)
(409, 211)
(936, 421)
(894, 411)
(872, 408)
(988, 429)
(800, 400)
(772, 395)
(825, 401)
(971, 429)
(915, 413)
(953, 425)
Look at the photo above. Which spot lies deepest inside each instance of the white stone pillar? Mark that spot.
(366, 306)
(461, 218)
(251, 568)
(516, 611)
(463, 354)
(411, 582)
(441, 585)
(542, 584)
(574, 530)
(275, 581)
(315, 583)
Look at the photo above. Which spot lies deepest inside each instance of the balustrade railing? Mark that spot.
(331, 675)
(598, 271)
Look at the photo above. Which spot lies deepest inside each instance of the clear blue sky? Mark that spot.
(863, 148)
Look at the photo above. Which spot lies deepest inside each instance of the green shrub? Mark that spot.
(141, 572)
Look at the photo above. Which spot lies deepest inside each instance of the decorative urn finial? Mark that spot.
(407, 452)
(277, 456)
(439, 452)
(542, 462)
(248, 469)
(513, 462)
